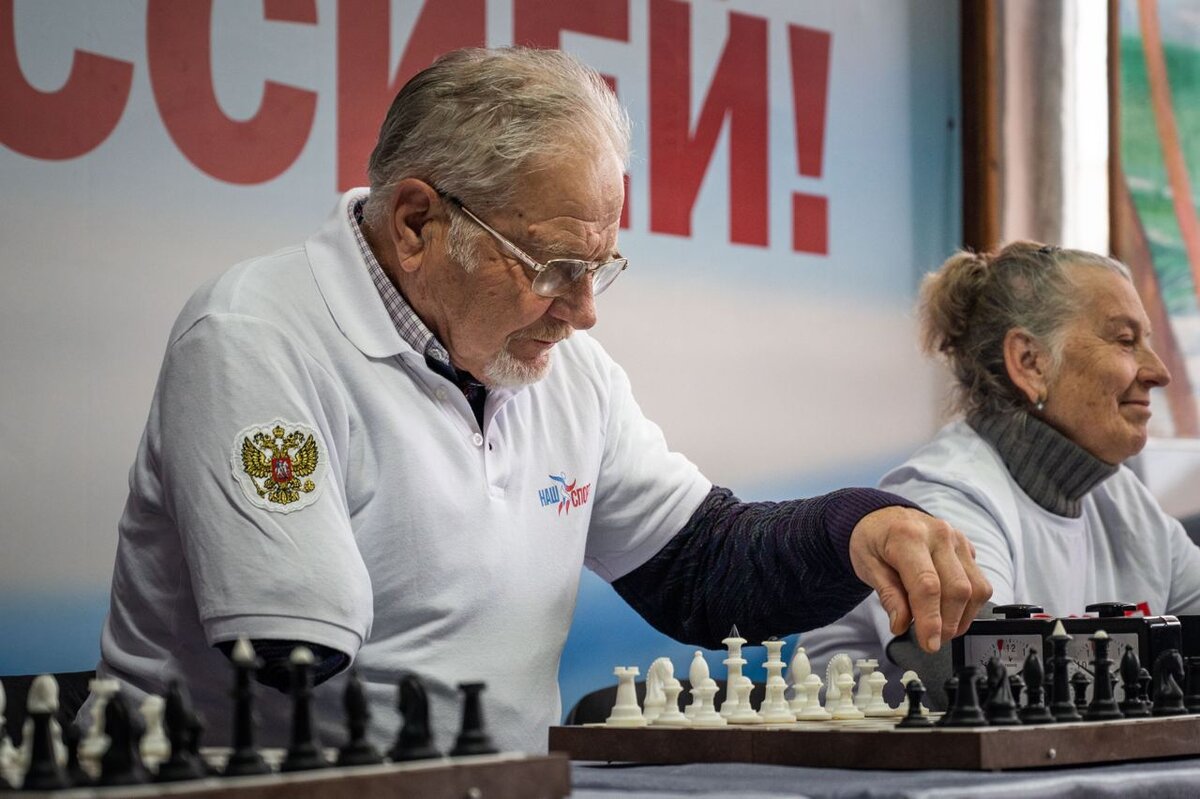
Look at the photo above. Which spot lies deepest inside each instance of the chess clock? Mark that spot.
(1019, 628)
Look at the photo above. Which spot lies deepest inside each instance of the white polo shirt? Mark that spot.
(1122, 548)
(304, 475)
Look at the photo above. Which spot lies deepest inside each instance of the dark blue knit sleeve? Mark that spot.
(771, 568)
(276, 670)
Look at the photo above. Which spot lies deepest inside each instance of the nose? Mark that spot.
(578, 306)
(1152, 371)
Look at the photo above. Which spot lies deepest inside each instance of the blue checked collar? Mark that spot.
(408, 324)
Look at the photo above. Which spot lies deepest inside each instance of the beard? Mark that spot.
(505, 370)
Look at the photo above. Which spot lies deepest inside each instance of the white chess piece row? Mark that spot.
(844, 701)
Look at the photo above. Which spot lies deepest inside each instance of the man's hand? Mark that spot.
(924, 571)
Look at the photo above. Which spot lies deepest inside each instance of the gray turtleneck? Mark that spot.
(1052, 469)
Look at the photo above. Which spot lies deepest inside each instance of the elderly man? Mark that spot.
(395, 445)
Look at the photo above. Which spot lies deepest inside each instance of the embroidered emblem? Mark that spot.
(563, 494)
(280, 466)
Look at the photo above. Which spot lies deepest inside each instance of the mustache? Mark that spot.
(547, 332)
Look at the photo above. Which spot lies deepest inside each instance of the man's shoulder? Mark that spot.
(276, 287)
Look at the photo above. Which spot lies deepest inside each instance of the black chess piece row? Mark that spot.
(122, 764)
(414, 741)
(994, 697)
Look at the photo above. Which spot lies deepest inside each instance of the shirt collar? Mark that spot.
(410, 327)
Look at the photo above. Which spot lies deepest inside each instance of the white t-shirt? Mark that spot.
(304, 475)
(1123, 548)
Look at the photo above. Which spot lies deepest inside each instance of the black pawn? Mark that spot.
(1192, 700)
(358, 751)
(473, 739)
(915, 690)
(178, 719)
(1061, 705)
(1034, 675)
(951, 689)
(415, 740)
(44, 773)
(1079, 689)
(304, 753)
(966, 711)
(1144, 680)
(245, 758)
(1103, 706)
(121, 763)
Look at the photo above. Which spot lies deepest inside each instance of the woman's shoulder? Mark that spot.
(957, 455)
(957, 474)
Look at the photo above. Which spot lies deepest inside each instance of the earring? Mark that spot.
(1040, 405)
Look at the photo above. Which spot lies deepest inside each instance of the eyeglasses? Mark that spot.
(555, 277)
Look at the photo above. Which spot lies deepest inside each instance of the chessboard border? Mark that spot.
(500, 776)
(825, 745)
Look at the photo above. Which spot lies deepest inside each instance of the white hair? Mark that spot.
(476, 119)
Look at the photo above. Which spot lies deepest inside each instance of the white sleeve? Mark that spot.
(269, 556)
(1185, 576)
(862, 633)
(646, 493)
(993, 548)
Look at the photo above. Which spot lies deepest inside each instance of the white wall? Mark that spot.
(773, 369)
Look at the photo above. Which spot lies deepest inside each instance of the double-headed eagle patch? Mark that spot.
(280, 466)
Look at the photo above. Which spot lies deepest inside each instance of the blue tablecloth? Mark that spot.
(1151, 780)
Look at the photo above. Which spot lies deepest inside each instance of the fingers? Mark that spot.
(925, 593)
(981, 589)
(924, 571)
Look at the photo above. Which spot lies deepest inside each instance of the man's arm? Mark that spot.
(775, 568)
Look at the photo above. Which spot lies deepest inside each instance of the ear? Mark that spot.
(414, 205)
(1027, 363)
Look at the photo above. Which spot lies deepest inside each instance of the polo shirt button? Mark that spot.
(441, 393)
(478, 439)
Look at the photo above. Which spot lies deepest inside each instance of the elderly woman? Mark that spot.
(1050, 350)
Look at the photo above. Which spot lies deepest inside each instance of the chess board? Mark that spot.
(501, 776)
(879, 744)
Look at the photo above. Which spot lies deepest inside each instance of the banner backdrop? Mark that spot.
(795, 169)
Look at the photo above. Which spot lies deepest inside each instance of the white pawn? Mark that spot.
(626, 712)
(698, 677)
(154, 746)
(672, 716)
(878, 706)
(95, 742)
(705, 714)
(775, 708)
(812, 710)
(866, 667)
(845, 709)
(744, 713)
(43, 698)
(902, 708)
